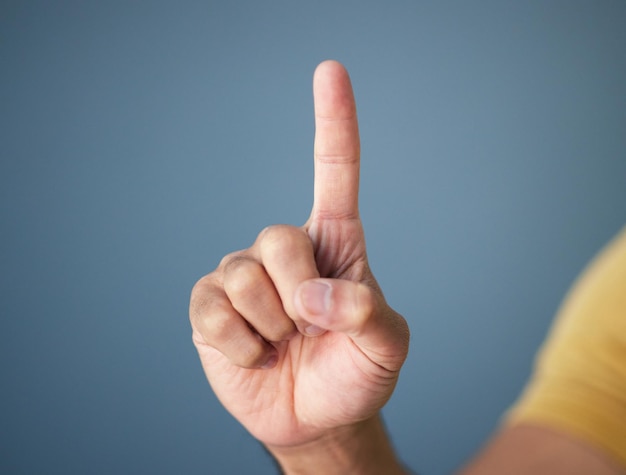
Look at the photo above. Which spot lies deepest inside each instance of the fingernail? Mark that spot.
(271, 362)
(315, 297)
(313, 330)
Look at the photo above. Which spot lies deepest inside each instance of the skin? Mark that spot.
(528, 449)
(299, 344)
(294, 333)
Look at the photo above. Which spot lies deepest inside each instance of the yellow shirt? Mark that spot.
(579, 383)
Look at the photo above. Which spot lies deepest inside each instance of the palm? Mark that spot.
(318, 383)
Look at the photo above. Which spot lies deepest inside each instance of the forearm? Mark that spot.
(535, 450)
(362, 449)
(572, 416)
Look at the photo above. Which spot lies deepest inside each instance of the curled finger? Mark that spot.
(217, 324)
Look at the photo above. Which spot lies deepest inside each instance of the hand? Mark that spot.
(294, 333)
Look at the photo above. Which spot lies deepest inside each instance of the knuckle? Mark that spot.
(199, 299)
(278, 240)
(201, 285)
(365, 303)
(275, 233)
(228, 258)
(218, 325)
(212, 318)
(196, 296)
(240, 276)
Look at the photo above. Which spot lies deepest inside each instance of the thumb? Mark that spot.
(358, 311)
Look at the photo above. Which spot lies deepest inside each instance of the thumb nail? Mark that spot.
(315, 297)
(313, 330)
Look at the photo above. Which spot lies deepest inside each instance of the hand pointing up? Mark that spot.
(293, 333)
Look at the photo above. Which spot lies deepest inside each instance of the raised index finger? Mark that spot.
(337, 149)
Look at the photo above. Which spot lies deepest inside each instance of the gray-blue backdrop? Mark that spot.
(141, 141)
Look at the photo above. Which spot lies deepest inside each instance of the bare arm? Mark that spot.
(571, 419)
(528, 449)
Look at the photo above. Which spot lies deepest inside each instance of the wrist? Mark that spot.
(363, 448)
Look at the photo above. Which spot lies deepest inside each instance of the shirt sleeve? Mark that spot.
(579, 381)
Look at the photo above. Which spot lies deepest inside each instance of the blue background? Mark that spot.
(142, 141)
